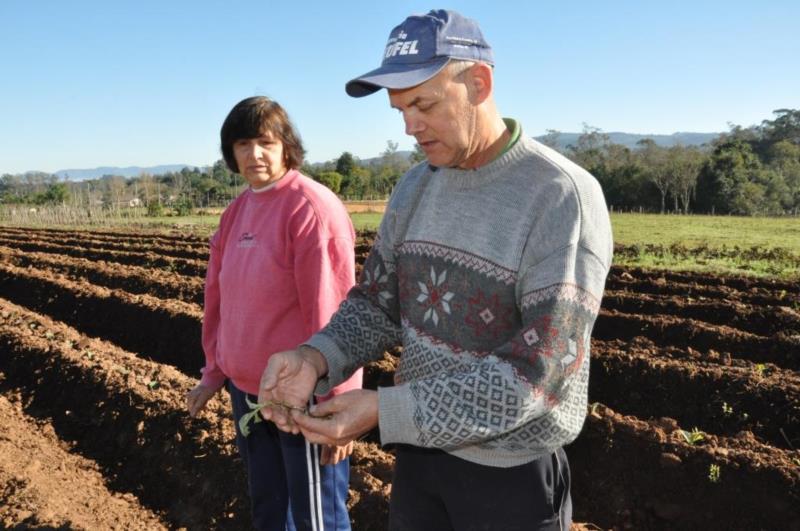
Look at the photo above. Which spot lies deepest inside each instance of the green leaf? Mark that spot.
(253, 415)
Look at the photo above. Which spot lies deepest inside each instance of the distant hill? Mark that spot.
(130, 171)
(564, 141)
(630, 139)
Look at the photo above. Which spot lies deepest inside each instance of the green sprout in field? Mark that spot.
(760, 370)
(252, 415)
(726, 409)
(693, 437)
(714, 473)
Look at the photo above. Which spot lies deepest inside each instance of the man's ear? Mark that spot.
(480, 82)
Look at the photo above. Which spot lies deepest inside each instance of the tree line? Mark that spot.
(745, 171)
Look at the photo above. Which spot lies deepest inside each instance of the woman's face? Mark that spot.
(260, 159)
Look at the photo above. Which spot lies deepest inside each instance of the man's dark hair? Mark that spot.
(256, 116)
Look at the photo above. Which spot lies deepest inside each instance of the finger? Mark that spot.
(325, 455)
(338, 455)
(323, 426)
(329, 407)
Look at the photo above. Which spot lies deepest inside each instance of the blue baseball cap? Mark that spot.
(419, 48)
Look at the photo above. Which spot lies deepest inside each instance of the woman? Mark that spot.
(280, 263)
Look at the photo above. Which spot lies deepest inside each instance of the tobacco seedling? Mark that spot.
(714, 473)
(253, 415)
(760, 369)
(693, 437)
(726, 409)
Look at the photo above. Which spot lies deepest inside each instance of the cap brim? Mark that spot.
(394, 76)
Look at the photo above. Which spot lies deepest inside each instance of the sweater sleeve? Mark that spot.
(366, 324)
(212, 376)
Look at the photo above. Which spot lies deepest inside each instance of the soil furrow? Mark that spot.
(167, 331)
(761, 320)
(710, 396)
(177, 250)
(130, 278)
(58, 490)
(183, 266)
(127, 415)
(737, 282)
(630, 473)
(142, 236)
(781, 350)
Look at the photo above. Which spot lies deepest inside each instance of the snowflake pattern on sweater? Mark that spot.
(495, 322)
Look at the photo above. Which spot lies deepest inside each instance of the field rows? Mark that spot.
(101, 335)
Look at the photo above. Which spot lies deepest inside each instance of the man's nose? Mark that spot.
(413, 124)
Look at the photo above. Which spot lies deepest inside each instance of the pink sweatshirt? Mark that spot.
(280, 263)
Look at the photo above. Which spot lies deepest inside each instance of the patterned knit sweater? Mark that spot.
(491, 279)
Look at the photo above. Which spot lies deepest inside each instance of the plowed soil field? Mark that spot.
(694, 421)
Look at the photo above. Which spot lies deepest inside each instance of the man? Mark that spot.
(489, 268)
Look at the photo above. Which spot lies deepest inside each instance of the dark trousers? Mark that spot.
(283, 472)
(435, 491)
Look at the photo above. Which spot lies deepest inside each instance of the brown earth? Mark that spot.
(672, 353)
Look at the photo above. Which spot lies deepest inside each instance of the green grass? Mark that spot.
(366, 220)
(209, 222)
(710, 231)
(720, 244)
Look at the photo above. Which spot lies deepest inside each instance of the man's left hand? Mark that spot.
(341, 419)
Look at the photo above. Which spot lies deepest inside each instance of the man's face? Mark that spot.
(260, 159)
(439, 115)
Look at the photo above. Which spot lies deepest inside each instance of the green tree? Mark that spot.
(331, 179)
(684, 165)
(345, 164)
(551, 139)
(56, 194)
(721, 183)
(355, 185)
(417, 155)
(656, 167)
(785, 126)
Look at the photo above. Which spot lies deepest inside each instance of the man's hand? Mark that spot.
(197, 398)
(341, 419)
(290, 378)
(330, 455)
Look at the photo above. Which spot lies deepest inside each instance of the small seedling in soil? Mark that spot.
(693, 437)
(713, 473)
(726, 409)
(760, 370)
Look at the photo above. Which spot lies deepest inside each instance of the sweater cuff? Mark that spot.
(396, 416)
(336, 362)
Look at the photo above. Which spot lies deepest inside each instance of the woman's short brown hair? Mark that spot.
(256, 116)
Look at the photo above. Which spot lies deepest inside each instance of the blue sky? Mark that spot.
(122, 83)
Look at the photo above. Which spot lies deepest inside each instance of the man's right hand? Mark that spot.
(290, 378)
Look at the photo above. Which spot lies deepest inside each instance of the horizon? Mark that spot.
(318, 162)
(102, 85)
